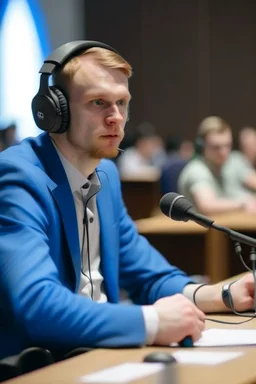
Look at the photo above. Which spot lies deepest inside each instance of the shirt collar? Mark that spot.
(75, 178)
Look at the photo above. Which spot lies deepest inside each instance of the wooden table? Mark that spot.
(241, 370)
(195, 249)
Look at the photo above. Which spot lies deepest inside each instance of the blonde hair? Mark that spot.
(212, 124)
(102, 56)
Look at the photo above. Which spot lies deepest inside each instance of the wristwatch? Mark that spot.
(226, 295)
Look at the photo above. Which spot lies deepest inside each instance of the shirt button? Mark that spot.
(86, 185)
(91, 220)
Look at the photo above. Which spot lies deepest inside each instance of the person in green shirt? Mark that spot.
(218, 179)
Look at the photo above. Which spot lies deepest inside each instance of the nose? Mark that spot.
(114, 116)
(225, 150)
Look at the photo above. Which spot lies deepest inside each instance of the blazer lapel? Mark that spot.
(62, 193)
(108, 251)
(64, 199)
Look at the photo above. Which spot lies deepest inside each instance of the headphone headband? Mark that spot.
(50, 105)
(66, 51)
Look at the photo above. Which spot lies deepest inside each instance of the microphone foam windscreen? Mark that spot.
(175, 206)
(166, 202)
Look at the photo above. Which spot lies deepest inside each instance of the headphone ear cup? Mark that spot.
(50, 110)
(64, 109)
(199, 145)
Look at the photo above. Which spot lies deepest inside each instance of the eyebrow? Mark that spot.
(102, 94)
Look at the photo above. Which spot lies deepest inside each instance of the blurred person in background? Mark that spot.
(218, 179)
(247, 144)
(179, 152)
(146, 156)
(179, 148)
(186, 149)
(8, 134)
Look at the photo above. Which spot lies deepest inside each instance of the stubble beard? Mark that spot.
(106, 153)
(96, 152)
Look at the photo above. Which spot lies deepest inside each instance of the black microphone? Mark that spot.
(178, 208)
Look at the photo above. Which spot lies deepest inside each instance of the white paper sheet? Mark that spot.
(123, 373)
(205, 358)
(216, 337)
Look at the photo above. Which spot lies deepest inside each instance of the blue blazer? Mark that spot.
(40, 261)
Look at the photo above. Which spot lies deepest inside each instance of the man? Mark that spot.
(67, 244)
(247, 144)
(216, 179)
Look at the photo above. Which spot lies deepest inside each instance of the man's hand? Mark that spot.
(242, 292)
(178, 318)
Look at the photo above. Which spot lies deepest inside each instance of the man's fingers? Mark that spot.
(196, 335)
(200, 314)
(201, 325)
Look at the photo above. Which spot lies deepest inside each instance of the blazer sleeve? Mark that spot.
(144, 273)
(44, 311)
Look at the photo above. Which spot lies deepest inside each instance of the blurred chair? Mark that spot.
(33, 358)
(26, 361)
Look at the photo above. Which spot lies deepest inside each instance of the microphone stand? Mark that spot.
(253, 259)
(236, 237)
(240, 238)
(238, 251)
(206, 222)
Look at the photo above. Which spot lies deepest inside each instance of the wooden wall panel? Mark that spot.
(191, 58)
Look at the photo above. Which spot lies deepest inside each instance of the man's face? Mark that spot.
(248, 145)
(218, 147)
(98, 102)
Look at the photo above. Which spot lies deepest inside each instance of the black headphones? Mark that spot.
(50, 106)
